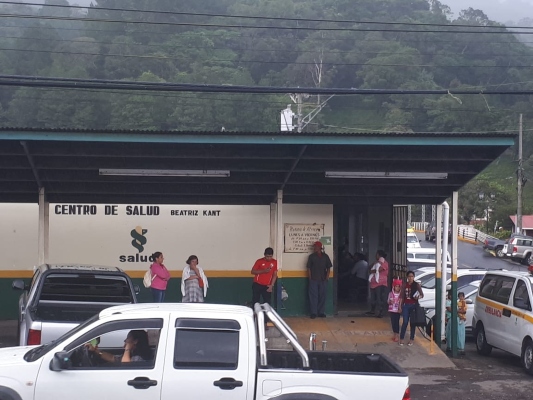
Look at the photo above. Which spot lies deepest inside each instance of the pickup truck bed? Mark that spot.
(321, 361)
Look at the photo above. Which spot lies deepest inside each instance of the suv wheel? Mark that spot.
(527, 356)
(482, 346)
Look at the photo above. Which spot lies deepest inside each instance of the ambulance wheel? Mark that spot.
(527, 356)
(482, 346)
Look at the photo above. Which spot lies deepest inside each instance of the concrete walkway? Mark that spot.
(368, 335)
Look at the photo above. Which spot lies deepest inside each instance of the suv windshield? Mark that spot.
(428, 281)
(412, 239)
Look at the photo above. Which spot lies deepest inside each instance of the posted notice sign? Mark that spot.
(299, 238)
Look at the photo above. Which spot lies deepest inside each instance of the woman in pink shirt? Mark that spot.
(379, 289)
(160, 277)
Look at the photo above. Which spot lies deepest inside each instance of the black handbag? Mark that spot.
(418, 316)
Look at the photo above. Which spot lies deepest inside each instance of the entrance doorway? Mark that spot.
(351, 266)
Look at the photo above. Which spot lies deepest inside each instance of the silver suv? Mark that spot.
(520, 249)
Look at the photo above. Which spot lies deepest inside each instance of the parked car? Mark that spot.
(412, 241)
(464, 277)
(410, 228)
(503, 317)
(470, 291)
(431, 232)
(200, 351)
(520, 249)
(62, 296)
(424, 257)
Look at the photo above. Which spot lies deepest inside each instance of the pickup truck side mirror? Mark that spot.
(136, 289)
(19, 285)
(448, 287)
(469, 301)
(61, 361)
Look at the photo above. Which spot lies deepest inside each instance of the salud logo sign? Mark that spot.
(138, 238)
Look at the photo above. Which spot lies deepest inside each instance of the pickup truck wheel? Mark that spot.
(526, 260)
(527, 356)
(482, 346)
(499, 252)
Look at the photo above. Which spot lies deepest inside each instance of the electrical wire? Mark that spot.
(266, 27)
(103, 84)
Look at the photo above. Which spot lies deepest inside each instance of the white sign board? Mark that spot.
(299, 238)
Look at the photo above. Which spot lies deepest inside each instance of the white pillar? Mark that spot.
(279, 232)
(43, 227)
(441, 269)
(273, 228)
(455, 213)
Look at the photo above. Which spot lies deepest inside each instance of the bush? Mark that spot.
(502, 234)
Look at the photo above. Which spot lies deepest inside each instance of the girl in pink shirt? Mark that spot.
(160, 277)
(395, 307)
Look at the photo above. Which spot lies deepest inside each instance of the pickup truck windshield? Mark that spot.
(38, 352)
(90, 288)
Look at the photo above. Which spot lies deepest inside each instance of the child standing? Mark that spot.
(461, 317)
(395, 307)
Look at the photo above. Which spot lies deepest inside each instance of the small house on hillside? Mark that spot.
(527, 224)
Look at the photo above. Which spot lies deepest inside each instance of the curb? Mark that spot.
(466, 240)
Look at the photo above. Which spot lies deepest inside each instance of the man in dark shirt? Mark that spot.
(318, 266)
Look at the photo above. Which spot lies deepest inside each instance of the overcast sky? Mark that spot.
(497, 10)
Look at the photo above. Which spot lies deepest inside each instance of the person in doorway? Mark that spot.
(360, 274)
(160, 277)
(395, 307)
(265, 271)
(378, 278)
(412, 292)
(318, 267)
(193, 282)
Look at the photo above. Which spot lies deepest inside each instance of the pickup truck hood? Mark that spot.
(13, 355)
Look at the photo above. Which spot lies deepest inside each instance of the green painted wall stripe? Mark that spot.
(221, 290)
(377, 140)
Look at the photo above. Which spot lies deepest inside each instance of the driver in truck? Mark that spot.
(136, 348)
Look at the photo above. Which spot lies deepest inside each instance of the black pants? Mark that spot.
(259, 291)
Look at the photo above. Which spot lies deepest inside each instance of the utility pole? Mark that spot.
(520, 181)
(299, 112)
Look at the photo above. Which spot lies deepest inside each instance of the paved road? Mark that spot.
(473, 256)
(498, 377)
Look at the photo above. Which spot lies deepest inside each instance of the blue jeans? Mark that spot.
(158, 295)
(317, 297)
(406, 315)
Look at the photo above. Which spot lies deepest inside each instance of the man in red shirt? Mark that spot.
(265, 275)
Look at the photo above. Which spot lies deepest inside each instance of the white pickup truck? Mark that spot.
(196, 351)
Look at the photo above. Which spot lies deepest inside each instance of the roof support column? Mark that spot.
(455, 321)
(279, 244)
(439, 304)
(44, 230)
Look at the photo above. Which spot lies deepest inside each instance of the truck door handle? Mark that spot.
(142, 382)
(506, 312)
(227, 383)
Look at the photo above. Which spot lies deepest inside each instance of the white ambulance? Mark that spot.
(503, 317)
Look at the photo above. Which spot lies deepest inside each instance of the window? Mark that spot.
(206, 344)
(497, 288)
(521, 296)
(466, 279)
(109, 340)
(86, 288)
